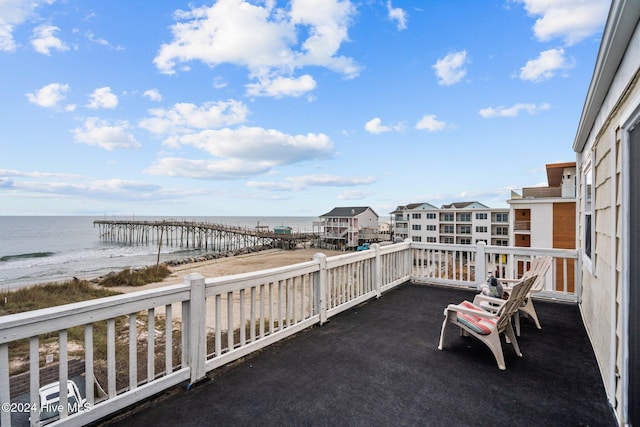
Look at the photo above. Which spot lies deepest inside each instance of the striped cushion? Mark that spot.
(477, 324)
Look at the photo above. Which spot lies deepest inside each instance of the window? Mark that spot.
(465, 241)
(431, 227)
(431, 215)
(502, 231)
(465, 217)
(448, 217)
(416, 215)
(588, 208)
(416, 238)
(465, 229)
(481, 215)
(431, 239)
(447, 229)
(481, 229)
(446, 240)
(416, 227)
(502, 217)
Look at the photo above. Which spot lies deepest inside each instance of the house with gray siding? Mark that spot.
(607, 146)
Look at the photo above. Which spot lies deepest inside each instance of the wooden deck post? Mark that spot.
(322, 279)
(197, 326)
(481, 264)
(377, 270)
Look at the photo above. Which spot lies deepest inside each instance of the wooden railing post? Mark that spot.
(481, 264)
(197, 327)
(377, 270)
(322, 283)
(408, 259)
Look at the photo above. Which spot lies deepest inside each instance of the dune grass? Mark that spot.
(49, 295)
(128, 277)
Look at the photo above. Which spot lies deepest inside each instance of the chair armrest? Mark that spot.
(479, 298)
(479, 313)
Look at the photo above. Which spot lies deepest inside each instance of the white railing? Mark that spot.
(138, 344)
(458, 265)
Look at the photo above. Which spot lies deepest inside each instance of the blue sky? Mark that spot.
(281, 108)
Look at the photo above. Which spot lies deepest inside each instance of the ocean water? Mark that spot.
(44, 249)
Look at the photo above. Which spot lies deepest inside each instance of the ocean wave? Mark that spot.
(25, 256)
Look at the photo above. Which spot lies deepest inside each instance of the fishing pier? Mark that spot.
(198, 235)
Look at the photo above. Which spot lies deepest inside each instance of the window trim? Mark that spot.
(588, 203)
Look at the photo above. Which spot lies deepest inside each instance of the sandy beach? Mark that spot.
(244, 263)
(226, 266)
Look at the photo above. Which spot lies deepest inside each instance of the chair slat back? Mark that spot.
(539, 267)
(516, 298)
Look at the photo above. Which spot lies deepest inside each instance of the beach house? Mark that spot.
(348, 227)
(607, 144)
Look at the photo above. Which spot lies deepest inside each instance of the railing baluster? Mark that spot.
(89, 378)
(271, 320)
(280, 317)
(168, 338)
(243, 319)
(111, 358)
(63, 369)
(34, 379)
(151, 340)
(218, 325)
(303, 303)
(262, 320)
(133, 351)
(230, 328)
(294, 310)
(5, 395)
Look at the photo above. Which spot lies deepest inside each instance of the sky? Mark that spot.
(286, 108)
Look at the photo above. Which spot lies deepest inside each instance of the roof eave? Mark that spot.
(621, 22)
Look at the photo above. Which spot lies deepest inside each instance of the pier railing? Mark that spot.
(138, 344)
(193, 234)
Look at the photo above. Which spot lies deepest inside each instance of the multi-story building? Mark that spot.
(463, 223)
(347, 227)
(545, 217)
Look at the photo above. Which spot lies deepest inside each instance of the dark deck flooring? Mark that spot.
(378, 365)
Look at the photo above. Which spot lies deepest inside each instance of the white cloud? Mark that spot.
(451, 69)
(242, 152)
(52, 184)
(545, 66)
(153, 94)
(375, 126)
(430, 123)
(514, 110)
(49, 96)
(225, 169)
(14, 13)
(282, 86)
(397, 14)
(264, 39)
(353, 195)
(258, 144)
(103, 98)
(44, 40)
(299, 183)
(186, 117)
(569, 20)
(105, 135)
